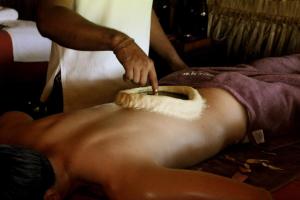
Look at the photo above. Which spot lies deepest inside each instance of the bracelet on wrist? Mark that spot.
(125, 43)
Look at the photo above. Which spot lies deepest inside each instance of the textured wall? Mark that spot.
(256, 28)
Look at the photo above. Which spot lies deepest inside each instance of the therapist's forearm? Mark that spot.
(58, 21)
(69, 29)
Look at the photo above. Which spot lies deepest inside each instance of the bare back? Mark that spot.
(113, 147)
(109, 130)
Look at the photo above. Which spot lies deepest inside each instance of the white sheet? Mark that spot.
(28, 44)
(7, 14)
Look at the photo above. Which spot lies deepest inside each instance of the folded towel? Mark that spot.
(28, 44)
(8, 14)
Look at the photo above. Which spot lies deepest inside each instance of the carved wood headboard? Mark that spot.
(256, 28)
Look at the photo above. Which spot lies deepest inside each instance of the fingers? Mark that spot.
(136, 76)
(139, 68)
(153, 81)
(129, 74)
(144, 78)
(141, 76)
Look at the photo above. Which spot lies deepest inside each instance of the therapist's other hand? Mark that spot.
(139, 68)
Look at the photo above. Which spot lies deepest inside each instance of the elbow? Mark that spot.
(42, 28)
(42, 22)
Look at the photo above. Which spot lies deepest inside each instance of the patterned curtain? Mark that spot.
(255, 28)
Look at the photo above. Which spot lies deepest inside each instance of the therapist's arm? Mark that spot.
(162, 46)
(57, 21)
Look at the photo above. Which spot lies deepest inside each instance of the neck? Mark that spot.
(63, 182)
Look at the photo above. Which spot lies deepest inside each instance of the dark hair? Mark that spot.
(24, 174)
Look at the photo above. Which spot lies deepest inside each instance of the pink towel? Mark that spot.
(268, 88)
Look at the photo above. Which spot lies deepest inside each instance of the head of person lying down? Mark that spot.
(25, 173)
(130, 152)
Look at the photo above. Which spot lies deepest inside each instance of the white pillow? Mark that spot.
(8, 14)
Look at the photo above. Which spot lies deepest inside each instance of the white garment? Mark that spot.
(91, 78)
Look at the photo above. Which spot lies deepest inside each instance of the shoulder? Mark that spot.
(14, 118)
(11, 121)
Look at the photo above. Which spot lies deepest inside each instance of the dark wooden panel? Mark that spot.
(26, 8)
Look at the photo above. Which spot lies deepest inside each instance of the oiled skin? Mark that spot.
(136, 155)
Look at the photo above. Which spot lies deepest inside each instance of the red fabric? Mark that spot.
(6, 48)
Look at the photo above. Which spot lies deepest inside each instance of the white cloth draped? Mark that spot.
(256, 28)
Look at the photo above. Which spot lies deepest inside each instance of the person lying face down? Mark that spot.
(130, 154)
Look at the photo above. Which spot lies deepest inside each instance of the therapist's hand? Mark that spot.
(139, 68)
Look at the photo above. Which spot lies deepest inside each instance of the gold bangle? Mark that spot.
(125, 43)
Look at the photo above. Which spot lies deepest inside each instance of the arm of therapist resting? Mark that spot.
(162, 46)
